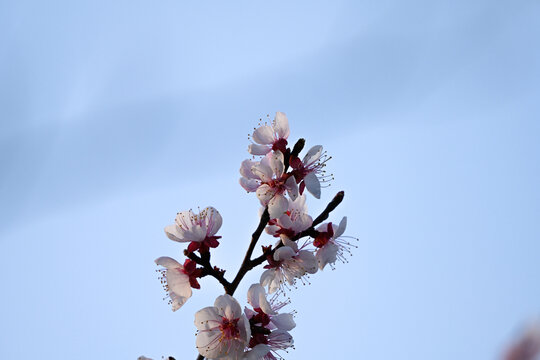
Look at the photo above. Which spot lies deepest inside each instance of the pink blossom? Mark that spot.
(268, 328)
(287, 264)
(177, 280)
(223, 330)
(197, 229)
(294, 221)
(267, 138)
(331, 246)
(268, 180)
(309, 172)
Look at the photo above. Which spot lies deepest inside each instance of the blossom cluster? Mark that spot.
(279, 177)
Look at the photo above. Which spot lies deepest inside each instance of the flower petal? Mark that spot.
(228, 306)
(292, 188)
(208, 344)
(265, 193)
(207, 318)
(302, 222)
(284, 253)
(281, 125)
(256, 149)
(276, 161)
(285, 221)
(258, 352)
(245, 330)
(327, 255)
(308, 260)
(168, 262)
(250, 185)
(341, 228)
(313, 185)
(263, 135)
(277, 206)
(281, 337)
(257, 299)
(213, 220)
(245, 169)
(313, 155)
(289, 243)
(174, 233)
(284, 321)
(263, 171)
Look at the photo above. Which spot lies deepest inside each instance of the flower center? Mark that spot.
(280, 144)
(229, 328)
(323, 237)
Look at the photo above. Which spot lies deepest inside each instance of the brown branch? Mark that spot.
(204, 261)
(245, 267)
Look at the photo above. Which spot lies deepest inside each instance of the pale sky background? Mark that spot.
(117, 114)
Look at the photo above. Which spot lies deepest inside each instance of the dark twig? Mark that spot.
(245, 267)
(204, 261)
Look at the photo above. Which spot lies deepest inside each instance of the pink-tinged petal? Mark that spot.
(313, 185)
(341, 228)
(245, 169)
(292, 188)
(174, 233)
(257, 299)
(253, 295)
(302, 222)
(284, 253)
(263, 135)
(258, 352)
(228, 306)
(168, 262)
(272, 229)
(282, 337)
(323, 227)
(272, 279)
(198, 233)
(207, 318)
(276, 163)
(289, 243)
(265, 193)
(327, 255)
(213, 220)
(313, 155)
(178, 282)
(285, 221)
(308, 260)
(281, 125)
(284, 321)
(184, 220)
(256, 149)
(244, 329)
(249, 313)
(208, 344)
(263, 171)
(277, 206)
(299, 205)
(267, 276)
(250, 185)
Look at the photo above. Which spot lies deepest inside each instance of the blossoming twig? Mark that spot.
(279, 180)
(308, 232)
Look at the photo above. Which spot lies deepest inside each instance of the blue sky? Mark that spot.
(114, 116)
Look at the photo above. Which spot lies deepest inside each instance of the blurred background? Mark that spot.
(116, 115)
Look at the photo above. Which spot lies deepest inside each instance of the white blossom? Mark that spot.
(223, 330)
(267, 138)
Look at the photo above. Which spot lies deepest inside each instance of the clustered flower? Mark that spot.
(279, 178)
